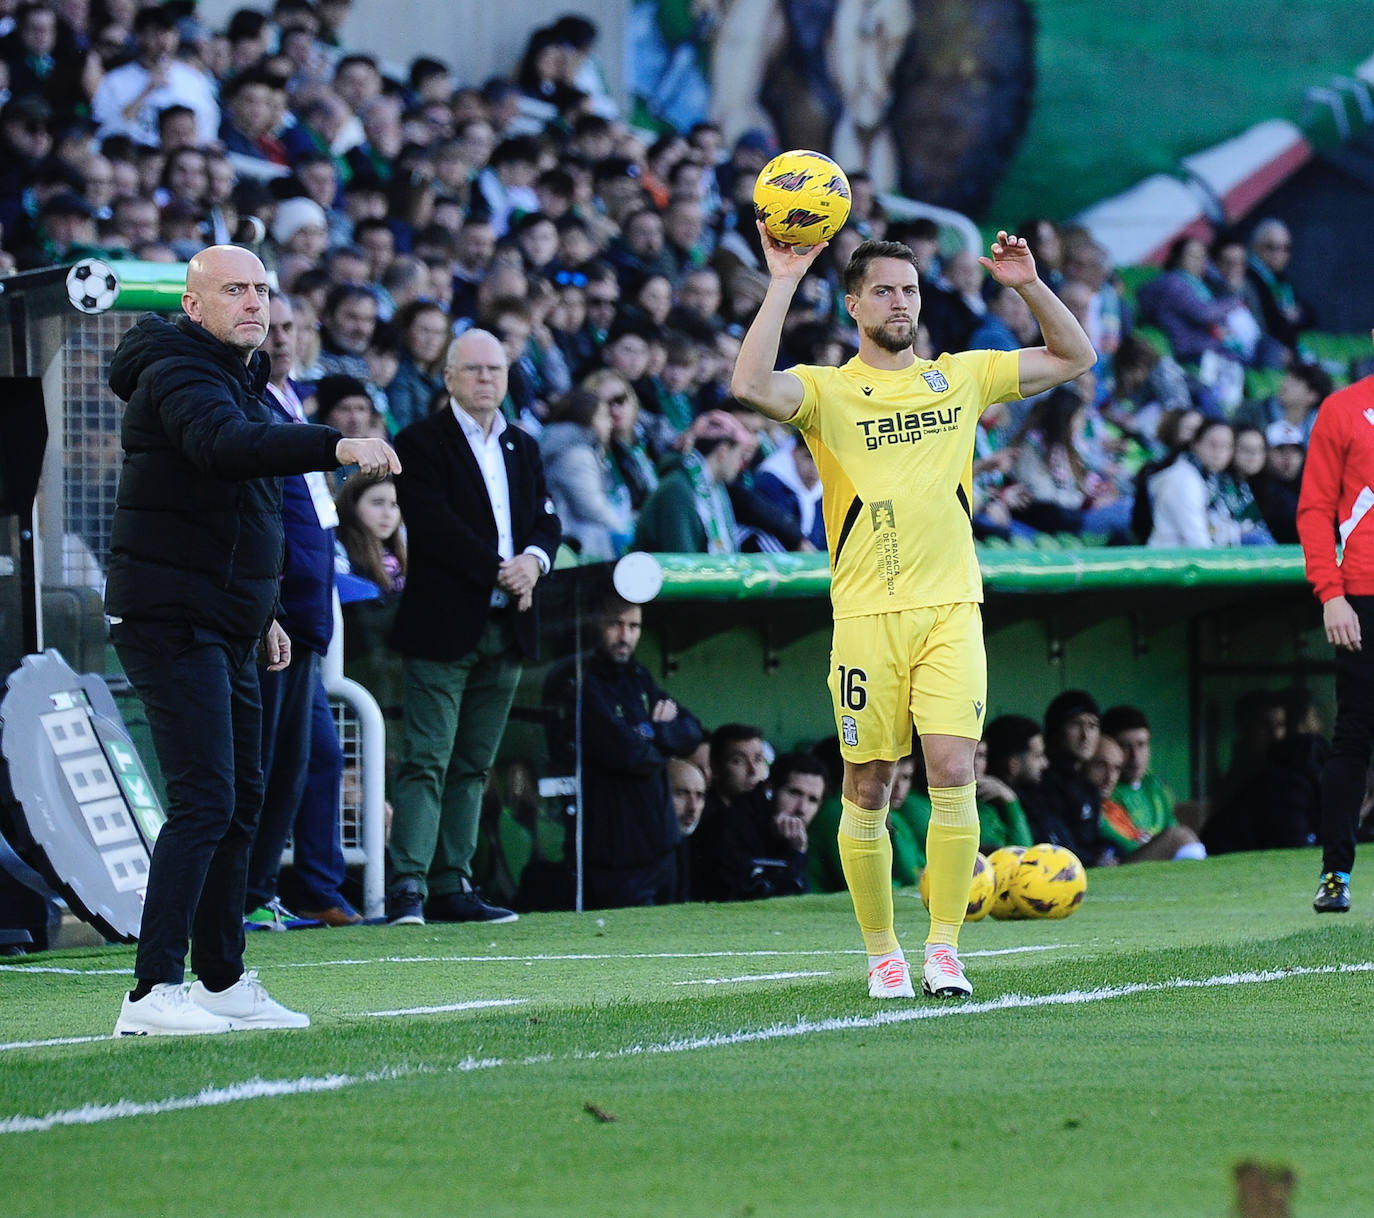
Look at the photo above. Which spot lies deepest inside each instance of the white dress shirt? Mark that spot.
(492, 462)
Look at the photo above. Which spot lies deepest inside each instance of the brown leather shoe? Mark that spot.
(336, 915)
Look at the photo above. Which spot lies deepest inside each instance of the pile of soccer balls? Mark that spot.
(1041, 881)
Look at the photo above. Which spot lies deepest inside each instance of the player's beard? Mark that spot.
(890, 337)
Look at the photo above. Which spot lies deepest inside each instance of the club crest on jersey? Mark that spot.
(849, 730)
(936, 380)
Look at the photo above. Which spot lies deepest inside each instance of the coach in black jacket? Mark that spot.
(630, 730)
(195, 554)
(481, 531)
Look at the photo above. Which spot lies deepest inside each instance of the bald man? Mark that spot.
(481, 532)
(195, 555)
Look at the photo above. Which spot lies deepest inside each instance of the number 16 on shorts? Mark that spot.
(850, 688)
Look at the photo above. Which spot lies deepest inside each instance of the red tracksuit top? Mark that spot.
(1338, 493)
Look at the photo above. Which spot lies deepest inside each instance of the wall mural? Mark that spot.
(931, 97)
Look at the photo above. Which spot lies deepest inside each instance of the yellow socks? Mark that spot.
(866, 856)
(951, 844)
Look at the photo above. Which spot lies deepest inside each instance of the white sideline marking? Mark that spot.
(43, 1044)
(452, 1006)
(78, 1040)
(66, 972)
(259, 1088)
(537, 958)
(825, 972)
(210, 1097)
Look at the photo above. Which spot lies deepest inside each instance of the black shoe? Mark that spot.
(405, 906)
(466, 907)
(1333, 894)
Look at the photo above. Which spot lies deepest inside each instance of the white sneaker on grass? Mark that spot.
(246, 1004)
(167, 1011)
(890, 978)
(943, 975)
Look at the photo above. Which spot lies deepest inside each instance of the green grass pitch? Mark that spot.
(726, 1060)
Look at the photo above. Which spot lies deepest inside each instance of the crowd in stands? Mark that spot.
(618, 269)
(619, 266)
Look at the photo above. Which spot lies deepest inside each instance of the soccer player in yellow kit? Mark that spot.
(893, 436)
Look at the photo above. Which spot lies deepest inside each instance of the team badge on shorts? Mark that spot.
(849, 730)
(936, 380)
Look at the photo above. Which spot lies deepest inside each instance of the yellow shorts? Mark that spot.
(890, 669)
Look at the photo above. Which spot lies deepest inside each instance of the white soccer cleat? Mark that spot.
(246, 1004)
(943, 975)
(890, 978)
(167, 1011)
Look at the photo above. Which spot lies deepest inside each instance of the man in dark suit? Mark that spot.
(481, 532)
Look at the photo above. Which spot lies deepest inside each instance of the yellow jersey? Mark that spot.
(895, 455)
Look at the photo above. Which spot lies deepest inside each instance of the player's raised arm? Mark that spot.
(755, 381)
(1067, 353)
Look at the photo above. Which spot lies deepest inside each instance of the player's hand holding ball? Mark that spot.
(801, 200)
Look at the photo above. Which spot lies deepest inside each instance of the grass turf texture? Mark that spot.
(589, 1097)
(1126, 89)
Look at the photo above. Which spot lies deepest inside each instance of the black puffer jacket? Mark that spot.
(197, 534)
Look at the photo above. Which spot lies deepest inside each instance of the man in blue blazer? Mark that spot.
(481, 532)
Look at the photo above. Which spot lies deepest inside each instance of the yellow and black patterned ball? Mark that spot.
(802, 197)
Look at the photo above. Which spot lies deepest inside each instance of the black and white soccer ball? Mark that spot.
(92, 285)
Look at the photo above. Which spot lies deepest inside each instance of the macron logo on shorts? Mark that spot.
(849, 730)
(977, 709)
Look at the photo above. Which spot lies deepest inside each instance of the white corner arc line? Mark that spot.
(258, 1088)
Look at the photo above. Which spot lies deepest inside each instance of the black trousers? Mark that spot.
(1352, 742)
(200, 691)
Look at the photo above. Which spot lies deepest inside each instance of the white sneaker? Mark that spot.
(167, 1011)
(890, 978)
(943, 975)
(246, 1004)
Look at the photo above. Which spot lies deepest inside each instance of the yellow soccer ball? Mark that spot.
(979, 894)
(1004, 863)
(1049, 883)
(802, 197)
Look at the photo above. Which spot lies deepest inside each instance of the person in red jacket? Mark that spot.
(1334, 515)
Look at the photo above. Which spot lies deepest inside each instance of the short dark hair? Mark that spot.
(1315, 377)
(424, 68)
(176, 110)
(356, 57)
(515, 148)
(342, 292)
(866, 254)
(1116, 719)
(244, 24)
(331, 390)
(153, 17)
(731, 733)
(797, 763)
(1006, 736)
(1066, 706)
(578, 406)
